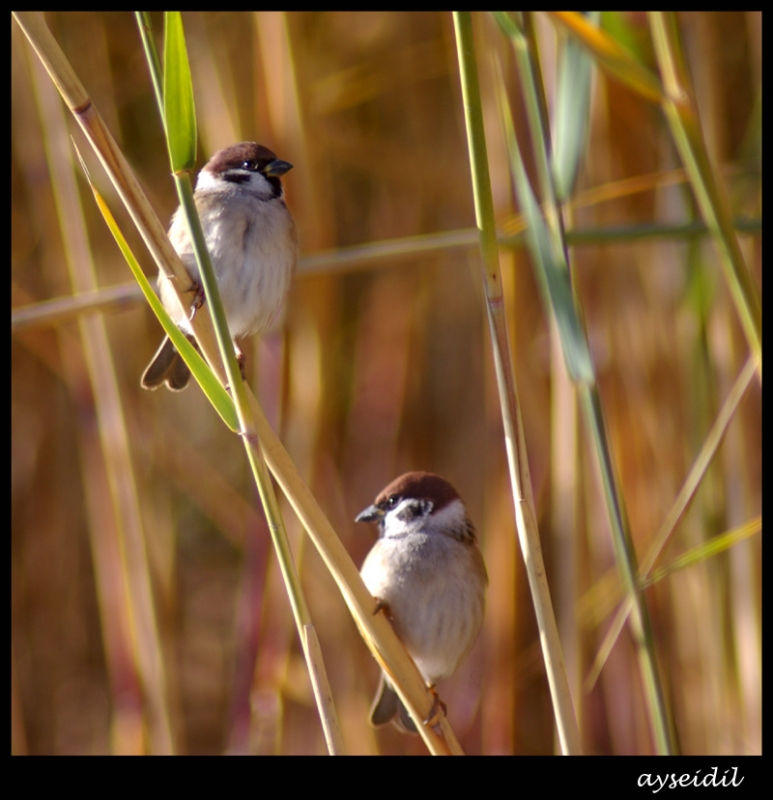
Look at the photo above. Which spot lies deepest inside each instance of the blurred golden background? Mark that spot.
(383, 364)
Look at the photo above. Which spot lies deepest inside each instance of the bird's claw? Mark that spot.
(381, 605)
(198, 299)
(438, 710)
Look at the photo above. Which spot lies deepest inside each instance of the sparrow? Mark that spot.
(252, 242)
(427, 572)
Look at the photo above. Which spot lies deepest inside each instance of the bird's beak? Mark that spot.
(370, 514)
(277, 167)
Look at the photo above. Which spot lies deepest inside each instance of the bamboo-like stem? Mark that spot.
(239, 392)
(550, 256)
(525, 517)
(551, 261)
(301, 614)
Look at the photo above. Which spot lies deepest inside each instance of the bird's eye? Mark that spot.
(251, 165)
(392, 501)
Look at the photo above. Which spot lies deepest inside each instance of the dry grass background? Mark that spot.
(384, 365)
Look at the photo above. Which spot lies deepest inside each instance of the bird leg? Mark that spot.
(438, 710)
(198, 298)
(240, 360)
(382, 605)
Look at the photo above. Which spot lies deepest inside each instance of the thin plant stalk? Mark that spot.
(526, 521)
(549, 254)
(302, 616)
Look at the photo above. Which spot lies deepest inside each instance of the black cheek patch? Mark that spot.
(414, 509)
(276, 184)
(235, 177)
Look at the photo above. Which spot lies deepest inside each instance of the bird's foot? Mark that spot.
(438, 710)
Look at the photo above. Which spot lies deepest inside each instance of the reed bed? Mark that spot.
(382, 364)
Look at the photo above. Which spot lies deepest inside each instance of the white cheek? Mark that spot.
(207, 182)
(398, 520)
(450, 517)
(258, 185)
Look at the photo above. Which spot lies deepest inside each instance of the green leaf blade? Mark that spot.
(179, 107)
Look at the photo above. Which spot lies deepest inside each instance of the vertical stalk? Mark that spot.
(525, 518)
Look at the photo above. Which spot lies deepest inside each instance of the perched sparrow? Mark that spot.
(426, 570)
(252, 242)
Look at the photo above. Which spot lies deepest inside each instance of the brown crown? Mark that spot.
(421, 486)
(235, 155)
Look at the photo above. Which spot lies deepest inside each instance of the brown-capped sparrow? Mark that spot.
(427, 572)
(252, 242)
